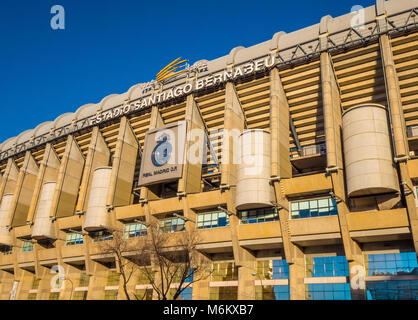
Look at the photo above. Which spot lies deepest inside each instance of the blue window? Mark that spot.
(259, 216)
(135, 230)
(99, 236)
(282, 292)
(27, 246)
(212, 220)
(172, 225)
(272, 293)
(190, 277)
(280, 269)
(328, 267)
(329, 291)
(313, 208)
(403, 263)
(187, 294)
(74, 239)
(392, 290)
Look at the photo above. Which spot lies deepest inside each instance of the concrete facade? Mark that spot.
(300, 102)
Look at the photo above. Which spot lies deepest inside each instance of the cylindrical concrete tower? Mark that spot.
(5, 236)
(43, 228)
(97, 217)
(367, 151)
(254, 171)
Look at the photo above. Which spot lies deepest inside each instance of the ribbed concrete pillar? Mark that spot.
(68, 181)
(156, 121)
(332, 112)
(279, 128)
(98, 156)
(8, 183)
(394, 97)
(123, 169)
(194, 146)
(24, 190)
(48, 172)
(234, 124)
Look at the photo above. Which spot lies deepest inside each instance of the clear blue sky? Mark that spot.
(108, 46)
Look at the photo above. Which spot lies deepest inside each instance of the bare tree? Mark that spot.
(173, 260)
(119, 247)
(170, 261)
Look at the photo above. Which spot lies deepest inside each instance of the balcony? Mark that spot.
(315, 231)
(385, 225)
(260, 236)
(311, 159)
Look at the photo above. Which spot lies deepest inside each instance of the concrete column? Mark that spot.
(156, 121)
(332, 113)
(194, 146)
(72, 279)
(44, 288)
(394, 97)
(123, 169)
(48, 172)
(201, 287)
(98, 282)
(246, 280)
(23, 192)
(279, 128)
(8, 183)
(6, 285)
(98, 156)
(234, 124)
(68, 181)
(25, 284)
(297, 275)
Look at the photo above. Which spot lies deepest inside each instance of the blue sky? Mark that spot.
(108, 46)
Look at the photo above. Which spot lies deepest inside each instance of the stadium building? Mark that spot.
(331, 214)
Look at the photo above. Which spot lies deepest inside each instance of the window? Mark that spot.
(272, 270)
(113, 278)
(99, 236)
(329, 291)
(80, 295)
(35, 284)
(111, 295)
(259, 216)
(223, 293)
(186, 294)
(272, 293)
(172, 225)
(212, 220)
(143, 294)
(74, 239)
(27, 246)
(313, 208)
(32, 296)
(144, 275)
(224, 271)
(6, 250)
(54, 296)
(84, 280)
(135, 230)
(327, 267)
(392, 290)
(392, 264)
